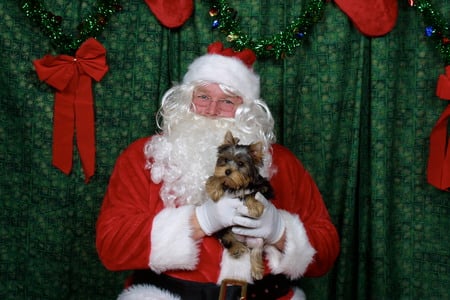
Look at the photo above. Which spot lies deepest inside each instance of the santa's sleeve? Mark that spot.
(134, 230)
(312, 242)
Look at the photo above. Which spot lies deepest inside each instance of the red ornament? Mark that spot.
(213, 12)
(58, 19)
(101, 20)
(118, 7)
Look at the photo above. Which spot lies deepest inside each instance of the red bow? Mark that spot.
(74, 105)
(247, 56)
(438, 170)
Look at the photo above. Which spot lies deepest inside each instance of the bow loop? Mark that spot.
(56, 71)
(91, 58)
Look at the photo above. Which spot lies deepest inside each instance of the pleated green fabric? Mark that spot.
(357, 111)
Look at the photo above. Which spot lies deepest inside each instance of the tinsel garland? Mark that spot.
(280, 45)
(90, 26)
(436, 28)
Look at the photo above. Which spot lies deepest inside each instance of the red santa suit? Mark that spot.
(136, 231)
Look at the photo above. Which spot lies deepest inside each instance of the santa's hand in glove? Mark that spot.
(270, 226)
(214, 216)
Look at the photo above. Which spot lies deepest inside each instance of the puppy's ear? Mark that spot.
(229, 139)
(257, 153)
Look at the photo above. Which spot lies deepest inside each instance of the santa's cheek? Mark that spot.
(199, 111)
(227, 114)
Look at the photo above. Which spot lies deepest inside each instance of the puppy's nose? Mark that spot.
(227, 172)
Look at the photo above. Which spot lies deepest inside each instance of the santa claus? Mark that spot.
(157, 220)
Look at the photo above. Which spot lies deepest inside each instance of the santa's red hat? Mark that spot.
(228, 67)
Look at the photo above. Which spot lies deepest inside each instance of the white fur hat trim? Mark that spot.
(230, 71)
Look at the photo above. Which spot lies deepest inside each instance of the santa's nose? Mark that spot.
(213, 109)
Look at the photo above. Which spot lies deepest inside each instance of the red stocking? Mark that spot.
(371, 17)
(171, 13)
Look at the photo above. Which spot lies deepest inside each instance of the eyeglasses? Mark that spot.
(202, 101)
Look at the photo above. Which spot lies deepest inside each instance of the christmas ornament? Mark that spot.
(74, 111)
(50, 24)
(225, 18)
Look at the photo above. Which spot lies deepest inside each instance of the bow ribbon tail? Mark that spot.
(443, 85)
(438, 169)
(63, 129)
(84, 125)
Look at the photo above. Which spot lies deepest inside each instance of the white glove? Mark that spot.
(214, 216)
(270, 226)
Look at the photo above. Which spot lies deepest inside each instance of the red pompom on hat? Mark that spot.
(247, 56)
(228, 67)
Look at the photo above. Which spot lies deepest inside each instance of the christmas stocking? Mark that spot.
(371, 17)
(171, 13)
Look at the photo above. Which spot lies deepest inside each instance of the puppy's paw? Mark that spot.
(237, 249)
(214, 188)
(255, 208)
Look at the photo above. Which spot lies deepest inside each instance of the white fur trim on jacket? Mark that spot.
(171, 244)
(298, 294)
(150, 292)
(235, 268)
(146, 292)
(298, 252)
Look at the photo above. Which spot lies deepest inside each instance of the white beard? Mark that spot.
(183, 158)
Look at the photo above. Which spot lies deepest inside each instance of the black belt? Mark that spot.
(270, 287)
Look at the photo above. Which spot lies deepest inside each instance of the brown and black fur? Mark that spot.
(237, 173)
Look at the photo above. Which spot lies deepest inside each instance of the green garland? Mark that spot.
(50, 24)
(225, 18)
(436, 28)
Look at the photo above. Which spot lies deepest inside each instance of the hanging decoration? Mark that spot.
(225, 18)
(171, 13)
(437, 29)
(74, 104)
(372, 18)
(51, 24)
(81, 59)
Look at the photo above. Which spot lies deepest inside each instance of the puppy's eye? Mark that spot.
(240, 164)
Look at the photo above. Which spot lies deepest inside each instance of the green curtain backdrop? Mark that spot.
(357, 111)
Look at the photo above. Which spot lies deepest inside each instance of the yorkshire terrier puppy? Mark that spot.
(237, 174)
